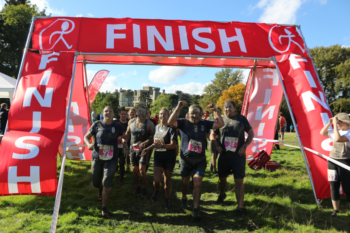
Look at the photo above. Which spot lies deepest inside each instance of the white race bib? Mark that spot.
(105, 152)
(332, 175)
(195, 146)
(231, 143)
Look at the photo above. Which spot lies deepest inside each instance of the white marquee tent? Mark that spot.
(7, 86)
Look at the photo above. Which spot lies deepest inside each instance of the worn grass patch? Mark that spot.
(274, 201)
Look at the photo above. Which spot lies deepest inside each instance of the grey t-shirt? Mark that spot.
(232, 133)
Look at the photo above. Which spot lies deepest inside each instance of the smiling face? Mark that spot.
(163, 116)
(108, 113)
(141, 113)
(195, 114)
(343, 125)
(229, 109)
(132, 113)
(123, 115)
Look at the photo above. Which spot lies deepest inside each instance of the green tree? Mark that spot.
(333, 65)
(340, 105)
(223, 80)
(110, 100)
(196, 98)
(163, 100)
(15, 19)
(97, 103)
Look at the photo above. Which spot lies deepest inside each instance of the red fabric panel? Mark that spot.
(154, 36)
(79, 119)
(28, 161)
(246, 95)
(96, 84)
(264, 102)
(312, 112)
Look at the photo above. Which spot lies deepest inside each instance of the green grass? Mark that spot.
(274, 201)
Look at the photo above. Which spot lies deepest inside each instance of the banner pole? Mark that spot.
(60, 182)
(297, 131)
(25, 50)
(311, 59)
(86, 86)
(250, 88)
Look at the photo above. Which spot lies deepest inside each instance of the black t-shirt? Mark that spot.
(232, 133)
(164, 135)
(3, 118)
(124, 126)
(105, 135)
(193, 138)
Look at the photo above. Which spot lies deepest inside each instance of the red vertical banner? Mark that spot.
(264, 102)
(312, 112)
(246, 94)
(96, 84)
(79, 120)
(28, 154)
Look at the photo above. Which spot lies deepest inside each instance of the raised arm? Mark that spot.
(337, 136)
(172, 119)
(324, 130)
(217, 115)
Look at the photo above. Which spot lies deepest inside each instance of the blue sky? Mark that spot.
(323, 23)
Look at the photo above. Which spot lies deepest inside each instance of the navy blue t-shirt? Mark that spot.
(105, 135)
(193, 138)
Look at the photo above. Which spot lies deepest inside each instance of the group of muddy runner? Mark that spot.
(134, 138)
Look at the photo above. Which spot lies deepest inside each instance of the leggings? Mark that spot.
(337, 175)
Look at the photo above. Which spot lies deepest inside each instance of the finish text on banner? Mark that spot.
(312, 112)
(28, 154)
(149, 36)
(264, 102)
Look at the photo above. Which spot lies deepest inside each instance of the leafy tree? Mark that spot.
(235, 93)
(97, 103)
(15, 19)
(340, 105)
(163, 100)
(110, 100)
(196, 98)
(223, 80)
(332, 65)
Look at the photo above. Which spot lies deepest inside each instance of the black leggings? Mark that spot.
(342, 176)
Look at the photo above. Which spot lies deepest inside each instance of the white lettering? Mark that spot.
(294, 61)
(34, 179)
(111, 36)
(256, 148)
(36, 122)
(308, 95)
(167, 44)
(183, 38)
(75, 107)
(33, 149)
(260, 115)
(261, 129)
(209, 42)
(310, 78)
(274, 75)
(76, 141)
(46, 59)
(46, 77)
(268, 93)
(70, 126)
(44, 102)
(137, 35)
(226, 40)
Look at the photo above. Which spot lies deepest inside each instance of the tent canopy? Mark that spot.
(7, 86)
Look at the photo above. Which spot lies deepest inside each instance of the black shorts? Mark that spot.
(197, 169)
(137, 158)
(229, 163)
(164, 160)
(102, 172)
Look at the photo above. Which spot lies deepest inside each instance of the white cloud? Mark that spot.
(190, 88)
(146, 84)
(167, 74)
(246, 73)
(2, 3)
(279, 11)
(79, 15)
(110, 84)
(90, 15)
(42, 4)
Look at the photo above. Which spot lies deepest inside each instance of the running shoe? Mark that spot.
(167, 204)
(334, 214)
(144, 193)
(195, 214)
(137, 190)
(240, 213)
(221, 198)
(99, 196)
(154, 196)
(104, 212)
(184, 204)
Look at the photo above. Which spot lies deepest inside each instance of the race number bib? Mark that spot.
(120, 143)
(195, 146)
(161, 142)
(231, 143)
(136, 146)
(106, 152)
(332, 175)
